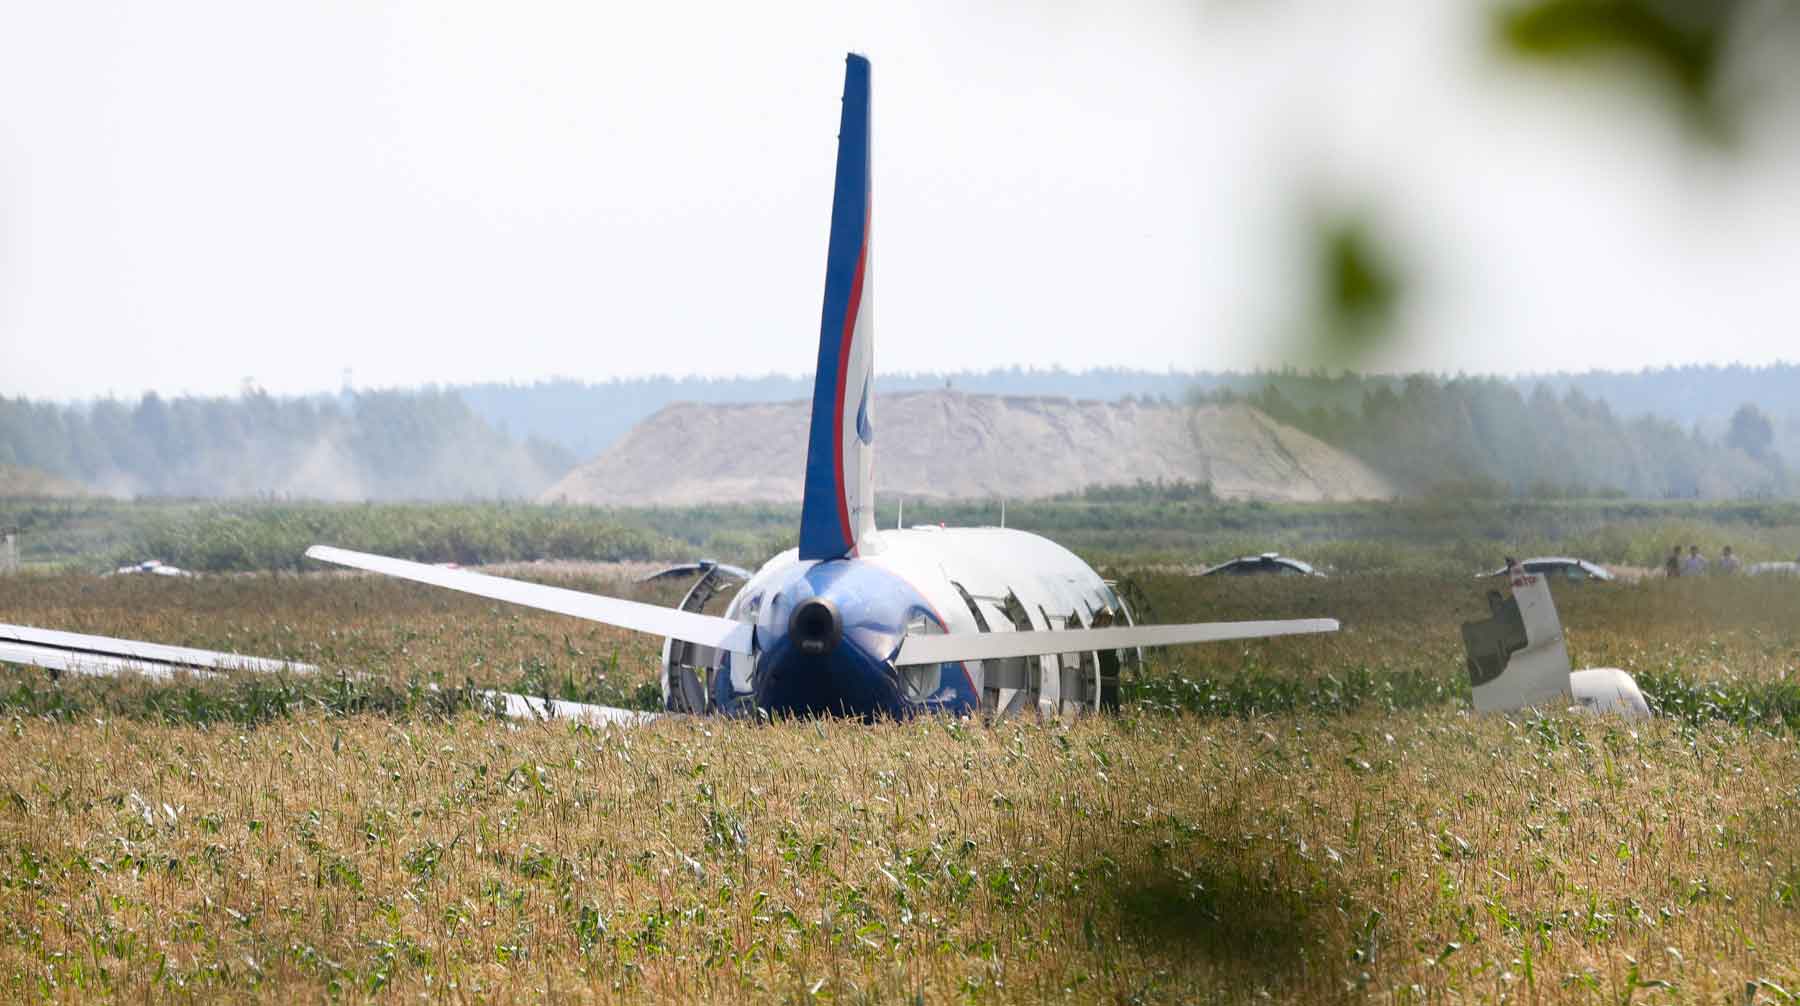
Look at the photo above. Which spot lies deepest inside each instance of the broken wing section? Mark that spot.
(105, 656)
(78, 653)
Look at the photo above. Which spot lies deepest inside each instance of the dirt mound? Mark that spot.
(949, 444)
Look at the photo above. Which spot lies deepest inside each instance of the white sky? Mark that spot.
(194, 193)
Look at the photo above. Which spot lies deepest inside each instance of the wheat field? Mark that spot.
(1290, 820)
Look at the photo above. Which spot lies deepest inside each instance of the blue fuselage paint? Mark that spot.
(856, 677)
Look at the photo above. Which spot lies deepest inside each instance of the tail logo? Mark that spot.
(865, 430)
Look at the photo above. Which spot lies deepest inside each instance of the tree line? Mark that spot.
(1487, 435)
(385, 445)
(1547, 438)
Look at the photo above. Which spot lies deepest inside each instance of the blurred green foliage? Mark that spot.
(1360, 287)
(1685, 44)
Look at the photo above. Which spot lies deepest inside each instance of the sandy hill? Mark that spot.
(950, 444)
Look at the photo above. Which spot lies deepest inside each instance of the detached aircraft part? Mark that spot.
(78, 653)
(106, 656)
(1517, 659)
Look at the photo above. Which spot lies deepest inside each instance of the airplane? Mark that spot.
(856, 621)
(1517, 658)
(860, 621)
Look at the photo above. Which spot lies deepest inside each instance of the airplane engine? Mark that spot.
(1609, 690)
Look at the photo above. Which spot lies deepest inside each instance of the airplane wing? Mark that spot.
(83, 654)
(77, 653)
(955, 647)
(692, 627)
(530, 707)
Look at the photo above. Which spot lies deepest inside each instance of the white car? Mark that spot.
(1266, 563)
(1773, 569)
(1557, 567)
(155, 567)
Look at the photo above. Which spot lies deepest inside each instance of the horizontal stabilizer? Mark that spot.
(707, 630)
(944, 649)
(80, 653)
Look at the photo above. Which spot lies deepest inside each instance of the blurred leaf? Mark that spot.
(1359, 289)
(1684, 42)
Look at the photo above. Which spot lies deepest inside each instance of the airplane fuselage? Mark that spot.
(828, 630)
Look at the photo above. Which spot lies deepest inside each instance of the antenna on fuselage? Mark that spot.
(1002, 511)
(900, 518)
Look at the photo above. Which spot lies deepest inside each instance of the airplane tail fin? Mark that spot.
(1517, 658)
(838, 512)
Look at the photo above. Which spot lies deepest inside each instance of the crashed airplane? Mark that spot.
(856, 621)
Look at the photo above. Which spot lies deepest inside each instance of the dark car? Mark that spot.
(1558, 566)
(1268, 563)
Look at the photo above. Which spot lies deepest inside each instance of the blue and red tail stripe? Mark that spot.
(826, 528)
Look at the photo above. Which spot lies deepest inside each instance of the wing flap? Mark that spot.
(706, 630)
(1001, 645)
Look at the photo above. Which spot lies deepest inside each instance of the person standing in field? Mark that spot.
(1672, 567)
(1728, 563)
(1695, 563)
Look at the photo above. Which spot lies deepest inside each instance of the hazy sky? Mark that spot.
(196, 193)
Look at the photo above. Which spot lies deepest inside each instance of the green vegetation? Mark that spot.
(1174, 524)
(99, 534)
(1333, 826)
(1311, 817)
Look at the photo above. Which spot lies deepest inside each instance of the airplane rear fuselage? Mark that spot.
(828, 630)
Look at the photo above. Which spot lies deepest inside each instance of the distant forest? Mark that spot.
(381, 445)
(1481, 435)
(1695, 432)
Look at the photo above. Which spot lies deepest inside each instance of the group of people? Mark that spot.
(1695, 564)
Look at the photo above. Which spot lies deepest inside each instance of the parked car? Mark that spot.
(1773, 569)
(1268, 563)
(1558, 566)
(155, 567)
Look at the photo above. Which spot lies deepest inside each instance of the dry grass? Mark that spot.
(1417, 857)
(1421, 854)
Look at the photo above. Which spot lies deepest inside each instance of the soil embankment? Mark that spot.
(947, 444)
